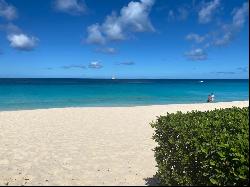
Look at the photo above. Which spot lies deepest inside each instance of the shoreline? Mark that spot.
(154, 105)
(84, 146)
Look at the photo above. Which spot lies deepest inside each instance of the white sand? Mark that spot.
(83, 146)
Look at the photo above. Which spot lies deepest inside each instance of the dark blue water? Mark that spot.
(16, 94)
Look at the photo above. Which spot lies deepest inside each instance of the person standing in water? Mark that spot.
(209, 99)
(212, 97)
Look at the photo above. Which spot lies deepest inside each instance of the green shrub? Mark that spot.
(203, 148)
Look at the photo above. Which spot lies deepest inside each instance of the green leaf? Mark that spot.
(212, 163)
(242, 177)
(236, 159)
(203, 150)
(213, 181)
(221, 154)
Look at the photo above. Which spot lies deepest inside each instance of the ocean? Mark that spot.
(19, 94)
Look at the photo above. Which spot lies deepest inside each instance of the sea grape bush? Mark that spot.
(203, 148)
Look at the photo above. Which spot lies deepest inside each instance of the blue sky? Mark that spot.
(128, 39)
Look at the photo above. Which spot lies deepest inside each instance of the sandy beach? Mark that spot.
(83, 146)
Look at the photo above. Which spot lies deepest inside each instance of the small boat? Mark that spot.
(113, 77)
(201, 81)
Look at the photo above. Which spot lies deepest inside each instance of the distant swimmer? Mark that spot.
(212, 97)
(209, 99)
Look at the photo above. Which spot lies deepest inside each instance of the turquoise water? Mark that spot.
(17, 94)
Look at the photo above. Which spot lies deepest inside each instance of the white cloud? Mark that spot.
(95, 65)
(73, 7)
(132, 18)
(113, 28)
(196, 54)
(7, 11)
(224, 38)
(195, 37)
(207, 11)
(95, 35)
(228, 31)
(240, 14)
(15, 36)
(136, 15)
(22, 42)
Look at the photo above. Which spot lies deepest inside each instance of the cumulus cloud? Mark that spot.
(18, 39)
(132, 18)
(15, 36)
(112, 28)
(22, 42)
(136, 16)
(73, 7)
(196, 55)
(195, 37)
(207, 11)
(95, 65)
(7, 11)
(74, 66)
(106, 50)
(95, 35)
